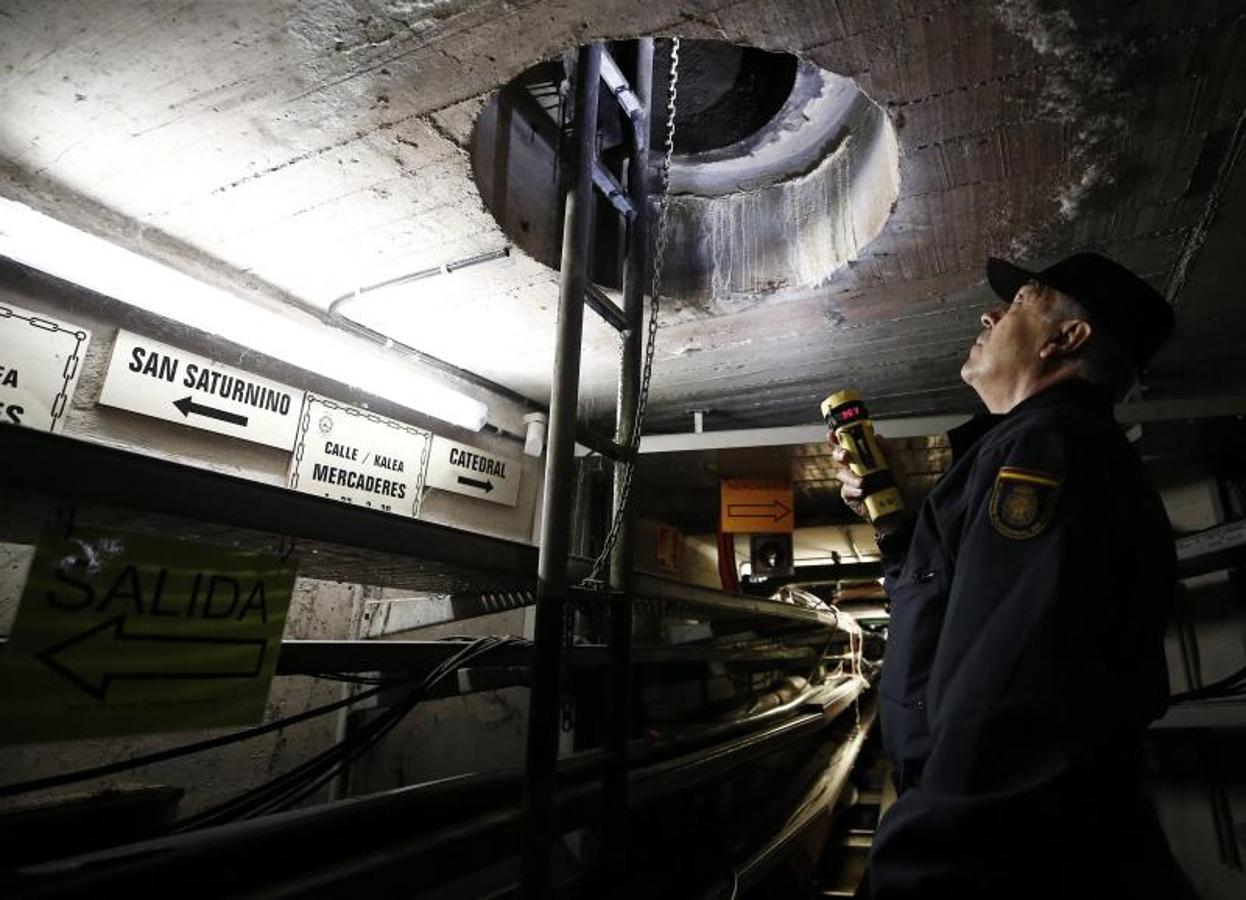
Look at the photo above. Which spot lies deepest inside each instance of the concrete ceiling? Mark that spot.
(298, 150)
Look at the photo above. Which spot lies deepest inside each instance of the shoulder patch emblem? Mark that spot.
(1023, 502)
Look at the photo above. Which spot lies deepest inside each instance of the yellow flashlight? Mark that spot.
(849, 422)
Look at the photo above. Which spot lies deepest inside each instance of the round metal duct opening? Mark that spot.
(782, 171)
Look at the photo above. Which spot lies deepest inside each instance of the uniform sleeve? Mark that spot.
(1008, 709)
(893, 550)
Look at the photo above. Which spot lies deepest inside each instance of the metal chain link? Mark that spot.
(659, 259)
(61, 400)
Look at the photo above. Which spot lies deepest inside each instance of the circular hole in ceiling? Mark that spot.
(782, 170)
(725, 92)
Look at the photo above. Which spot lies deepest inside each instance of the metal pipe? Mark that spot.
(458, 848)
(620, 673)
(413, 657)
(817, 802)
(334, 315)
(443, 269)
(556, 504)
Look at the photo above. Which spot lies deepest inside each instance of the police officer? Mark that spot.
(1029, 598)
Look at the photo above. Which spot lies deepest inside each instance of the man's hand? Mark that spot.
(850, 484)
(849, 481)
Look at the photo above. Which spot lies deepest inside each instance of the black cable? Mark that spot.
(51, 781)
(386, 723)
(1230, 685)
(345, 678)
(277, 792)
(297, 784)
(344, 762)
(256, 800)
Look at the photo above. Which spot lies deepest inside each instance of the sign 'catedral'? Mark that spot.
(40, 360)
(119, 633)
(472, 472)
(356, 456)
(155, 379)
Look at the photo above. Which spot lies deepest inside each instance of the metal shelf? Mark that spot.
(1225, 713)
(416, 657)
(1212, 549)
(677, 596)
(45, 473)
(312, 657)
(336, 541)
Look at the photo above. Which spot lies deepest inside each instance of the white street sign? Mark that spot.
(148, 377)
(40, 360)
(466, 470)
(356, 456)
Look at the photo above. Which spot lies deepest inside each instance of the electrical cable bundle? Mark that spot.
(330, 761)
(289, 788)
(147, 759)
(1231, 686)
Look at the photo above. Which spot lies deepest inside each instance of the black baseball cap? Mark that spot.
(1119, 302)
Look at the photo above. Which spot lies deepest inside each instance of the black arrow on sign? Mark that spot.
(485, 486)
(773, 510)
(105, 653)
(188, 406)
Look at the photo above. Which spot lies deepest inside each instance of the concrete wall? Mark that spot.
(453, 735)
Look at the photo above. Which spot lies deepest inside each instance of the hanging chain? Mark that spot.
(659, 259)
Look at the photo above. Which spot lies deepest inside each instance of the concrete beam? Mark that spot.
(789, 434)
(916, 426)
(1181, 408)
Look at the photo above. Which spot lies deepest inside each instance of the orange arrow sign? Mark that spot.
(757, 507)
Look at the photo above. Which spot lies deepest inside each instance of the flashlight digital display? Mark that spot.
(849, 423)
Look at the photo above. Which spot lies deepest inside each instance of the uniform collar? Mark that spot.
(963, 437)
(1071, 392)
(1074, 391)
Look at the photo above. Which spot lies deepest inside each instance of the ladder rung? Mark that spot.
(612, 75)
(605, 307)
(611, 189)
(603, 445)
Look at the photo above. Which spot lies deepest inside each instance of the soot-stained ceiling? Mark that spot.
(296, 151)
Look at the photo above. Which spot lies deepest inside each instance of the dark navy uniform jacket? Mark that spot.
(1024, 659)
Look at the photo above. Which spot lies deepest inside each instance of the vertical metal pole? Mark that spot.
(620, 674)
(559, 482)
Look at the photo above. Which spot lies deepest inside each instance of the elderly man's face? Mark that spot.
(1008, 348)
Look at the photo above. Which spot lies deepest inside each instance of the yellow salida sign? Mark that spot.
(119, 633)
(756, 507)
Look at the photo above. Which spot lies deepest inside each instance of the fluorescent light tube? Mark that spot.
(43, 243)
